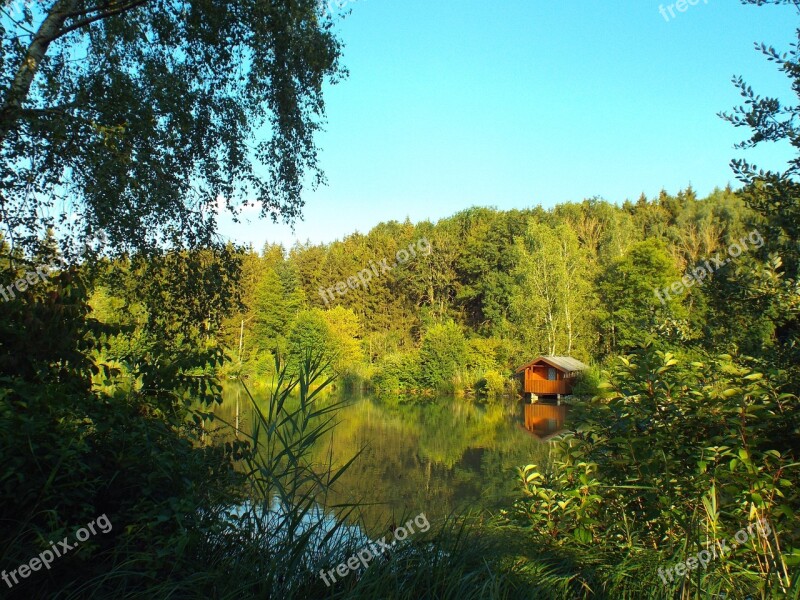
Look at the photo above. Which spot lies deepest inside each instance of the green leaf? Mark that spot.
(582, 535)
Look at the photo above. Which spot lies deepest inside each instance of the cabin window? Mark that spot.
(551, 374)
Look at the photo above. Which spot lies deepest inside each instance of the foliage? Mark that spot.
(397, 372)
(74, 453)
(677, 457)
(775, 196)
(587, 384)
(108, 365)
(345, 330)
(276, 302)
(603, 264)
(554, 297)
(632, 312)
(442, 355)
(140, 137)
(310, 333)
(275, 542)
(485, 354)
(492, 385)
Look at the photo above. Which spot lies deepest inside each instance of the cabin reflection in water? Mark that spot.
(543, 419)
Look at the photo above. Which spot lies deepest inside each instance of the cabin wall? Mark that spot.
(538, 372)
(536, 382)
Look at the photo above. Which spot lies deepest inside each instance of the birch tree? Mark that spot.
(146, 118)
(555, 297)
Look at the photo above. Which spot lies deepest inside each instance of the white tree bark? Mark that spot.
(49, 30)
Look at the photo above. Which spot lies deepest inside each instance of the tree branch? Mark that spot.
(100, 16)
(18, 92)
(50, 30)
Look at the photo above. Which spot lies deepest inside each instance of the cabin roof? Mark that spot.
(566, 364)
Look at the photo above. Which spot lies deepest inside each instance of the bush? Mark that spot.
(587, 384)
(491, 385)
(442, 355)
(672, 459)
(398, 372)
(482, 354)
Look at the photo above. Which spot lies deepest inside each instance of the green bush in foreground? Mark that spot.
(669, 461)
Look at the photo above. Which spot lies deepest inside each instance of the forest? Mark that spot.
(497, 288)
(125, 319)
(491, 290)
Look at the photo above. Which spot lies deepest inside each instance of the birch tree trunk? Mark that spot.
(49, 30)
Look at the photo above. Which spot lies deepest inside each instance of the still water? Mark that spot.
(438, 457)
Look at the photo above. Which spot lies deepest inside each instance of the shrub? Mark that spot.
(398, 372)
(491, 385)
(673, 458)
(442, 355)
(587, 384)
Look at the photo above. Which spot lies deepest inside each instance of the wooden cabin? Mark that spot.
(550, 376)
(544, 381)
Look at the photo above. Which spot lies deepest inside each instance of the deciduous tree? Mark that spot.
(146, 117)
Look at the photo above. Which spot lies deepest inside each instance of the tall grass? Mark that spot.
(278, 537)
(284, 536)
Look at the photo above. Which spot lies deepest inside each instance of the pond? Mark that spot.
(435, 457)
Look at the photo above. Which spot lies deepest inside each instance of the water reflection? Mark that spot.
(434, 457)
(545, 419)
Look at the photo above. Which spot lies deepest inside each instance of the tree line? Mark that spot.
(499, 287)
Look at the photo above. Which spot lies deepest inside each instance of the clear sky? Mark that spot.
(513, 103)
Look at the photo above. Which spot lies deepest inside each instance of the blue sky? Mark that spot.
(513, 103)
